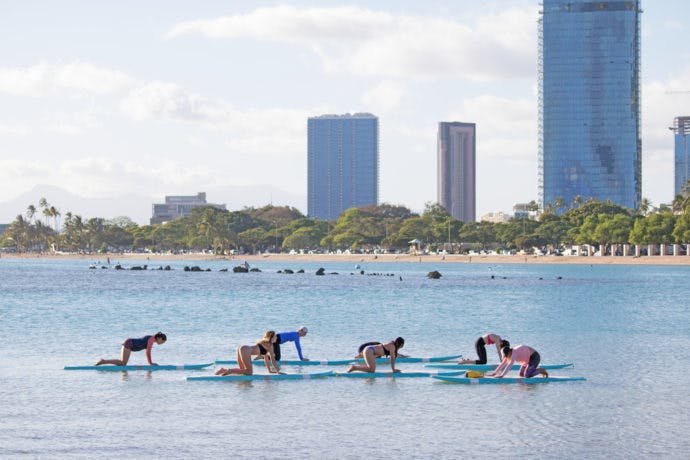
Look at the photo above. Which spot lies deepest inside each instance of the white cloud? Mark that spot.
(673, 25)
(248, 131)
(384, 97)
(14, 130)
(44, 79)
(102, 177)
(506, 128)
(373, 43)
(169, 102)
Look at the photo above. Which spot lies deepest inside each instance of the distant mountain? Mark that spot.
(138, 207)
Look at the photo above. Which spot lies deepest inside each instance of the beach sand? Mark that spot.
(369, 258)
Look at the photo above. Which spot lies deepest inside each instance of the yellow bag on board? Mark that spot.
(474, 374)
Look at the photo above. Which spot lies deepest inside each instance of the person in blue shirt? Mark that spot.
(284, 337)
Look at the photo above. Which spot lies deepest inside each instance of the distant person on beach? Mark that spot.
(130, 345)
(480, 346)
(528, 357)
(263, 347)
(373, 351)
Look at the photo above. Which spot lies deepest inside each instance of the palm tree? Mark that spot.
(43, 204)
(55, 214)
(577, 201)
(30, 212)
(20, 232)
(645, 206)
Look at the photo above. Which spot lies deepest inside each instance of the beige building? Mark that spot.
(177, 206)
(457, 188)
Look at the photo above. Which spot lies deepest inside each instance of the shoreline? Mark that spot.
(372, 258)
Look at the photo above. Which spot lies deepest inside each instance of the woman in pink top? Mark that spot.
(527, 356)
(480, 346)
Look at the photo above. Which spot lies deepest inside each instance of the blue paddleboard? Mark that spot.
(415, 360)
(395, 375)
(162, 367)
(505, 380)
(220, 378)
(491, 367)
(296, 362)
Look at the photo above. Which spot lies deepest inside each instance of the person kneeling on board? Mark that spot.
(263, 347)
(528, 357)
(371, 352)
(130, 345)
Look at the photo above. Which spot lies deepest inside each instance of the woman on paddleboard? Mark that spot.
(245, 352)
(480, 346)
(372, 351)
(361, 348)
(528, 357)
(130, 345)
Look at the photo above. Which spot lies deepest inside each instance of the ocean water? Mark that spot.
(626, 328)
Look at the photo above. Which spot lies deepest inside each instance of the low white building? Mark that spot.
(495, 217)
(177, 206)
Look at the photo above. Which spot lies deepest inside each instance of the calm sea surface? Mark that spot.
(627, 329)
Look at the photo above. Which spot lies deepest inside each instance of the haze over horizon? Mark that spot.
(214, 97)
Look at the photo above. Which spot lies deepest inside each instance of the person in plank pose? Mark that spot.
(373, 351)
(130, 345)
(263, 347)
(480, 346)
(528, 357)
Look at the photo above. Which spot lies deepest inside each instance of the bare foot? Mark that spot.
(544, 373)
(220, 371)
(466, 361)
(351, 368)
(100, 362)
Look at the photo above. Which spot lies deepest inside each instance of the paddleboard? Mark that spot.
(162, 367)
(491, 367)
(221, 378)
(506, 380)
(296, 362)
(395, 375)
(415, 360)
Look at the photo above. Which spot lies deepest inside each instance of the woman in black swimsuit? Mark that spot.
(372, 351)
(244, 356)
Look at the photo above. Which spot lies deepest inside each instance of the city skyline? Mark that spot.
(181, 98)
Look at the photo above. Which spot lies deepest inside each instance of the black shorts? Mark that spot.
(276, 348)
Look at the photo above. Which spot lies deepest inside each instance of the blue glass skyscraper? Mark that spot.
(589, 101)
(343, 163)
(681, 132)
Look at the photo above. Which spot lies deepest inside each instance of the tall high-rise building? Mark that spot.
(343, 163)
(589, 101)
(681, 131)
(457, 169)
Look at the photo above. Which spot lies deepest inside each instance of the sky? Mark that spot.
(160, 98)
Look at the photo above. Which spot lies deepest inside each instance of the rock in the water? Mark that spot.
(433, 275)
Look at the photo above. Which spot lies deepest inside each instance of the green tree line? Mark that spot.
(387, 227)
